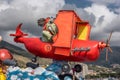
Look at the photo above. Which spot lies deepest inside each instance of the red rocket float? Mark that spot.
(72, 42)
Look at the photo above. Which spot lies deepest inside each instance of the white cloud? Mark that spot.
(102, 19)
(26, 11)
(3, 7)
(101, 11)
(105, 22)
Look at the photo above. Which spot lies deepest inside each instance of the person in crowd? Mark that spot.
(3, 70)
(33, 64)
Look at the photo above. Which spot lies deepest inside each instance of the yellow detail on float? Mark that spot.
(83, 31)
(2, 75)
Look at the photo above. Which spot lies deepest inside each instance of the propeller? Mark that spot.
(108, 48)
(106, 45)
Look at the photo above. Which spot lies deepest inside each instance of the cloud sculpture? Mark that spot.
(16, 73)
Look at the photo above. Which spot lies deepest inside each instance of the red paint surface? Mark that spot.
(63, 44)
(5, 54)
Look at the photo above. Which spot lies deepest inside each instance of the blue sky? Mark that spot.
(103, 16)
(86, 3)
(79, 3)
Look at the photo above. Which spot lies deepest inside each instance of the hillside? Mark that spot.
(23, 56)
(14, 49)
(113, 58)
